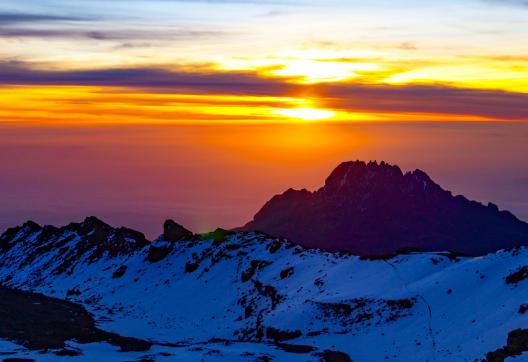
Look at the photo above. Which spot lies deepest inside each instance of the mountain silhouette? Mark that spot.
(374, 208)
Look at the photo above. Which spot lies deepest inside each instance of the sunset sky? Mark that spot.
(137, 61)
(201, 110)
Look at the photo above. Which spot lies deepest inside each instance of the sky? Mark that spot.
(183, 61)
(206, 176)
(201, 110)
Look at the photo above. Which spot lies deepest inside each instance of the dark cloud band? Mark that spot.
(431, 99)
(15, 18)
(206, 82)
(434, 99)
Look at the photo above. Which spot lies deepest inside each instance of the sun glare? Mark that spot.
(315, 72)
(307, 114)
(306, 66)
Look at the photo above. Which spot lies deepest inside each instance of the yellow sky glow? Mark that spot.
(307, 114)
(105, 105)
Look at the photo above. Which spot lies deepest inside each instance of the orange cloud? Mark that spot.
(151, 95)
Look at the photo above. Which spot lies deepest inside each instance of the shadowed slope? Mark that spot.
(39, 322)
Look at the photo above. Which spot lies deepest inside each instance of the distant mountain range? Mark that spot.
(90, 291)
(375, 209)
(246, 296)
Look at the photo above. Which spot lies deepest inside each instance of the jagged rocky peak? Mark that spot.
(31, 225)
(95, 222)
(27, 228)
(12, 235)
(89, 224)
(92, 238)
(97, 231)
(165, 244)
(374, 208)
(360, 175)
(354, 172)
(173, 231)
(102, 237)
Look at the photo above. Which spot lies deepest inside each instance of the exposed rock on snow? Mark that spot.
(38, 322)
(175, 232)
(244, 296)
(517, 344)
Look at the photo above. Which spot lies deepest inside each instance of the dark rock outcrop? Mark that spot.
(279, 335)
(375, 209)
(26, 315)
(516, 344)
(523, 308)
(91, 238)
(334, 356)
(156, 253)
(119, 272)
(517, 276)
(99, 237)
(173, 231)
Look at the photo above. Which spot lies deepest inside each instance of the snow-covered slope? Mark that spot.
(253, 295)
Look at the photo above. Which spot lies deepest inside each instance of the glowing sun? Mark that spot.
(307, 114)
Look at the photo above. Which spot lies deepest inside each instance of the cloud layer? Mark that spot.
(347, 97)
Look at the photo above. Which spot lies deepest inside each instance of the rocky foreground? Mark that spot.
(245, 296)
